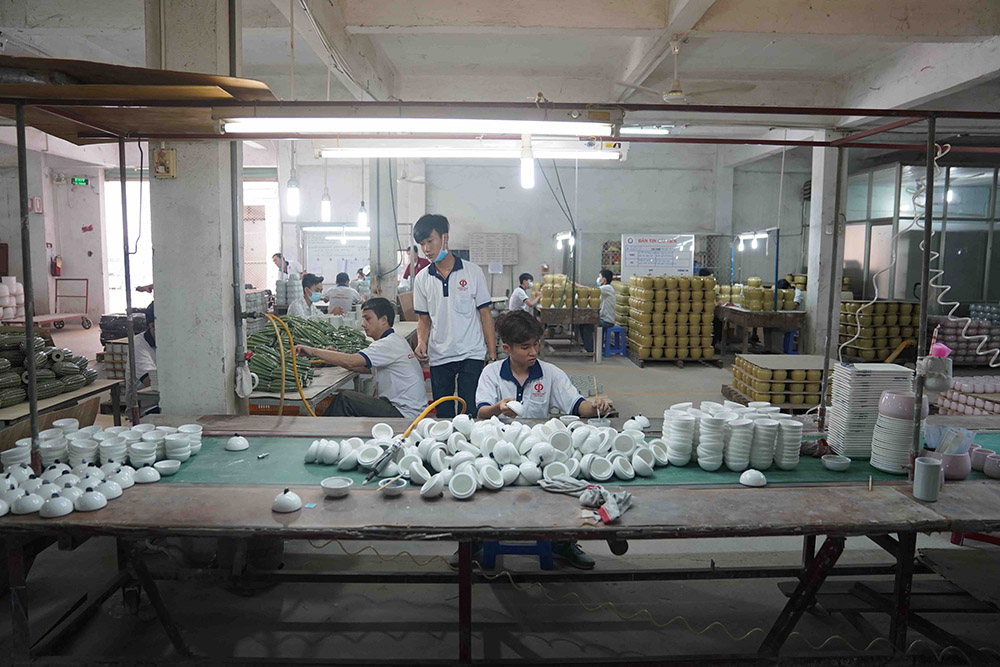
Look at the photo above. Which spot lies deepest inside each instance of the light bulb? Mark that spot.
(362, 216)
(951, 195)
(324, 206)
(558, 244)
(292, 201)
(572, 241)
(527, 164)
(343, 236)
(740, 246)
(753, 243)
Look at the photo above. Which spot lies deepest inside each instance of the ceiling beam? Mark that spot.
(353, 59)
(903, 20)
(918, 74)
(646, 54)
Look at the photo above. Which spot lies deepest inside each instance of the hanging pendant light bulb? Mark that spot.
(740, 247)
(558, 244)
(343, 235)
(572, 241)
(753, 243)
(362, 216)
(293, 203)
(324, 206)
(527, 163)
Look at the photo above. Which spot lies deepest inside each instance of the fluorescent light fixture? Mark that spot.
(645, 130)
(527, 164)
(324, 206)
(344, 237)
(293, 203)
(362, 216)
(475, 126)
(470, 153)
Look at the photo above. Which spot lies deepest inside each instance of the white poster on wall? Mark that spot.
(328, 257)
(657, 255)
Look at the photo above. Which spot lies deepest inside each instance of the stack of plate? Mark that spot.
(892, 441)
(681, 441)
(789, 444)
(857, 389)
(711, 441)
(765, 435)
(738, 444)
(82, 452)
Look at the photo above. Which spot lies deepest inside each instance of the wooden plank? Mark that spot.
(965, 569)
(21, 410)
(837, 599)
(974, 505)
(98, 91)
(787, 362)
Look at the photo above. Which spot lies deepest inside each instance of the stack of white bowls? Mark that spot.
(177, 447)
(711, 442)
(16, 455)
(112, 449)
(193, 432)
(789, 444)
(158, 438)
(765, 435)
(141, 453)
(681, 441)
(67, 426)
(82, 451)
(54, 450)
(739, 439)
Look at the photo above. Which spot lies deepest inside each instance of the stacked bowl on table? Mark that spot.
(739, 442)
(892, 439)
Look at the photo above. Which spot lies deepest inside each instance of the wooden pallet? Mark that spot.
(679, 363)
(733, 394)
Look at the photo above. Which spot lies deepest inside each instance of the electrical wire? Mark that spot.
(139, 235)
(554, 195)
(395, 222)
(295, 366)
(608, 605)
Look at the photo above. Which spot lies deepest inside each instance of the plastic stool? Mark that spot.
(542, 549)
(788, 344)
(614, 341)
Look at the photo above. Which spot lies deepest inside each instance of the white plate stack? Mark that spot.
(738, 443)
(789, 444)
(857, 389)
(711, 441)
(765, 435)
(892, 441)
(681, 441)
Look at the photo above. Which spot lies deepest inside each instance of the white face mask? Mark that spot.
(599, 281)
(531, 283)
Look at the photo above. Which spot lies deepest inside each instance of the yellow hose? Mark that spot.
(281, 349)
(295, 367)
(431, 407)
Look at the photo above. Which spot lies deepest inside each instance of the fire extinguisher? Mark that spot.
(56, 265)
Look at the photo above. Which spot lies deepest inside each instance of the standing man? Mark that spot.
(519, 299)
(343, 297)
(398, 377)
(287, 268)
(417, 263)
(455, 329)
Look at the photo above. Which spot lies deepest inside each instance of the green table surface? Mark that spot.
(285, 465)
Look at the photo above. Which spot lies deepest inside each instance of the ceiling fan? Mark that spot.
(678, 95)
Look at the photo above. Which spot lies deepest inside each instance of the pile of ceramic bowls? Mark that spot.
(679, 436)
(464, 456)
(16, 455)
(788, 444)
(711, 441)
(739, 439)
(765, 434)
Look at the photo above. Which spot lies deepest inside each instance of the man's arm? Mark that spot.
(352, 362)
(590, 409)
(497, 409)
(533, 301)
(423, 334)
(488, 331)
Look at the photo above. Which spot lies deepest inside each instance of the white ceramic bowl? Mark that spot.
(382, 431)
(286, 501)
(391, 488)
(432, 488)
(462, 485)
(167, 468)
(838, 463)
(336, 487)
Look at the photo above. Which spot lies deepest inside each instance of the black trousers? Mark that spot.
(351, 403)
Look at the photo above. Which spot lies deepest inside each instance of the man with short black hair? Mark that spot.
(519, 299)
(288, 269)
(398, 377)
(342, 298)
(606, 314)
(417, 263)
(454, 327)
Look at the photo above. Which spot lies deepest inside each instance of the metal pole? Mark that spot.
(130, 400)
(834, 285)
(236, 228)
(29, 288)
(925, 267)
(777, 254)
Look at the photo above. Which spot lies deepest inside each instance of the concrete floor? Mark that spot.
(303, 621)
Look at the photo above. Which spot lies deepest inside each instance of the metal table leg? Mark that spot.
(465, 603)
(116, 403)
(808, 551)
(905, 552)
(804, 595)
(138, 568)
(20, 628)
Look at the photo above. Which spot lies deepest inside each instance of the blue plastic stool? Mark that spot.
(788, 344)
(614, 341)
(542, 549)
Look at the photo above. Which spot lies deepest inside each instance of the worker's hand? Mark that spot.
(145, 288)
(421, 351)
(504, 410)
(303, 350)
(338, 310)
(602, 405)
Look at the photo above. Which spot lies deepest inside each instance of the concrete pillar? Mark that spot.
(382, 215)
(191, 228)
(822, 260)
(10, 225)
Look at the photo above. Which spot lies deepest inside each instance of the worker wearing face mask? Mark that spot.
(606, 314)
(519, 299)
(312, 294)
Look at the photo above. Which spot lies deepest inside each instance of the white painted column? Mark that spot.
(191, 228)
(821, 252)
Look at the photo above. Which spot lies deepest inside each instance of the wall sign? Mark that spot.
(657, 255)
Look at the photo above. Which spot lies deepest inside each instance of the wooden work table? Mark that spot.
(751, 319)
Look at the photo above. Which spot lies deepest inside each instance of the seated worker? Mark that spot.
(606, 314)
(342, 298)
(799, 296)
(538, 386)
(519, 299)
(398, 376)
(312, 293)
(145, 350)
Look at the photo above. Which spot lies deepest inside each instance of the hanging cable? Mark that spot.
(139, 235)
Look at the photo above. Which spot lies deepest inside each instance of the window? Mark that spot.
(857, 197)
(883, 193)
(854, 255)
(969, 192)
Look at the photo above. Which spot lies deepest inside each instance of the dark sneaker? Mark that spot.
(571, 554)
(477, 556)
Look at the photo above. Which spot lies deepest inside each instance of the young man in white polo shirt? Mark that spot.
(538, 386)
(455, 328)
(519, 299)
(398, 376)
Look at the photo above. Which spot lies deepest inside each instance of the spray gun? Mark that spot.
(384, 459)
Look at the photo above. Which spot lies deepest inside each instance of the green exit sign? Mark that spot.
(80, 180)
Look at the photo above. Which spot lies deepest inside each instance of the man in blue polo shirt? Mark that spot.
(455, 328)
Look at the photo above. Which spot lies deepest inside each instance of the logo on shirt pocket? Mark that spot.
(539, 390)
(463, 283)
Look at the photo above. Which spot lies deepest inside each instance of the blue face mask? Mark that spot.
(441, 255)
(315, 296)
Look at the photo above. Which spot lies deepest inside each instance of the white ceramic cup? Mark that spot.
(927, 479)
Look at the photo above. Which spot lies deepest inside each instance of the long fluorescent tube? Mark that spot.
(344, 237)
(471, 153)
(645, 130)
(477, 126)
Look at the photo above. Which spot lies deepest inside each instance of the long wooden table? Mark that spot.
(751, 319)
(524, 513)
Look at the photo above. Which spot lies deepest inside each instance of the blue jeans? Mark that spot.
(443, 381)
(587, 334)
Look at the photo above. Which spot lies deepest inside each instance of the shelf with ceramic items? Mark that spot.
(978, 395)
(875, 331)
(984, 322)
(794, 381)
(670, 318)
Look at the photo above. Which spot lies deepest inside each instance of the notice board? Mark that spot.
(657, 255)
(487, 249)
